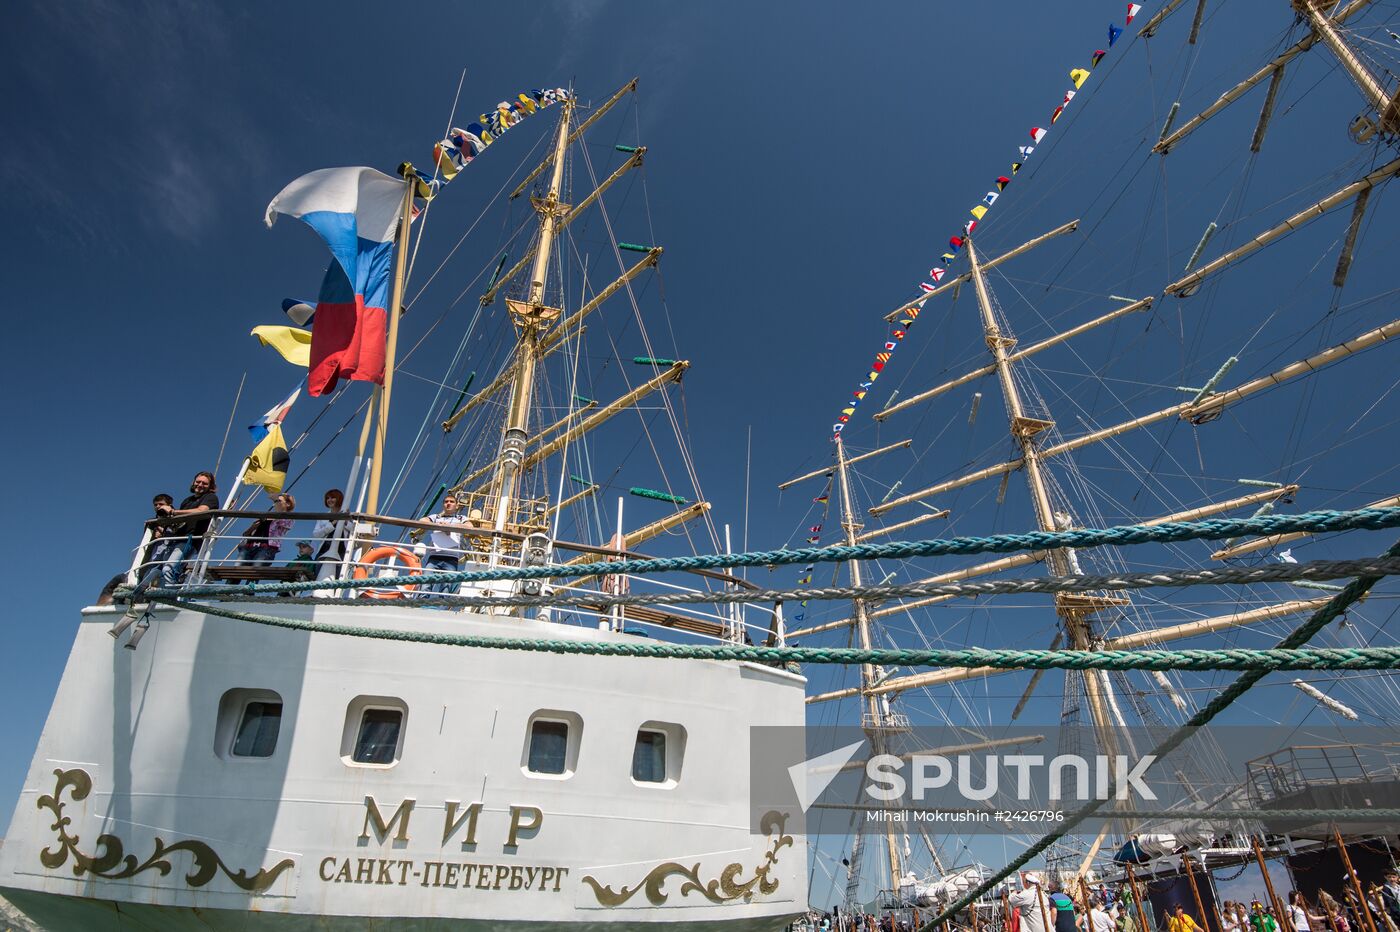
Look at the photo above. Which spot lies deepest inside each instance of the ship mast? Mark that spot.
(877, 720)
(1073, 609)
(531, 318)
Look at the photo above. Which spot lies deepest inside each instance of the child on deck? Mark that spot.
(264, 537)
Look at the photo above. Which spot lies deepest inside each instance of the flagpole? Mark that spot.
(395, 312)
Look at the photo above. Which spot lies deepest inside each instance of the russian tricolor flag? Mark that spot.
(356, 211)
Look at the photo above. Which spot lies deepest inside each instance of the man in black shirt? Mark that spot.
(203, 497)
(185, 540)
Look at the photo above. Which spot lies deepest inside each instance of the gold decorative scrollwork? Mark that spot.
(111, 861)
(724, 889)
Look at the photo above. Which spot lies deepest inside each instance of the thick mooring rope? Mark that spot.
(1313, 571)
(1315, 522)
(1300, 636)
(1336, 658)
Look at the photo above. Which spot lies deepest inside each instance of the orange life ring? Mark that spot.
(382, 553)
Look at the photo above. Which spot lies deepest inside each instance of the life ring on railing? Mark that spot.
(383, 553)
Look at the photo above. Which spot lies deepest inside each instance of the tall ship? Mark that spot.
(1169, 301)
(224, 756)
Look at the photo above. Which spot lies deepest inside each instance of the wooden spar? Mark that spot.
(1146, 32)
(562, 422)
(1138, 639)
(673, 374)
(1266, 112)
(634, 162)
(1370, 88)
(876, 710)
(577, 496)
(1239, 90)
(881, 532)
(1382, 174)
(643, 534)
(499, 382)
(1019, 354)
(564, 221)
(990, 264)
(1035, 556)
(1185, 409)
(1210, 625)
(376, 466)
(1191, 40)
(1137, 899)
(1362, 905)
(1196, 892)
(531, 318)
(1084, 868)
(1035, 681)
(1025, 431)
(1279, 911)
(533, 441)
(1276, 539)
(570, 324)
(549, 159)
(944, 751)
(1371, 338)
(1358, 211)
(829, 470)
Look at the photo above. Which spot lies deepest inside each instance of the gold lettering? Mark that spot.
(327, 862)
(436, 869)
(546, 875)
(343, 875)
(384, 876)
(374, 819)
(502, 872)
(364, 871)
(483, 877)
(518, 825)
(558, 876)
(530, 873)
(450, 877)
(517, 878)
(453, 822)
(403, 871)
(467, 875)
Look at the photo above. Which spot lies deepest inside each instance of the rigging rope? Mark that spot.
(1080, 538)
(1261, 661)
(1245, 575)
(1300, 636)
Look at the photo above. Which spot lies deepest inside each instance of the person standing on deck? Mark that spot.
(1260, 921)
(186, 539)
(444, 546)
(333, 536)
(1179, 921)
(1062, 908)
(1030, 900)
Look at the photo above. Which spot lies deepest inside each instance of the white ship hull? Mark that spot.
(135, 814)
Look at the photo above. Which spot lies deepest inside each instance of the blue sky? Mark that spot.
(806, 166)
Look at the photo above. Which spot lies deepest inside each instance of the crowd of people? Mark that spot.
(1043, 905)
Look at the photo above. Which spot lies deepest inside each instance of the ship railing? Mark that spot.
(1292, 770)
(401, 543)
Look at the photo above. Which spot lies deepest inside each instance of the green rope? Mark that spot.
(1294, 573)
(1336, 658)
(1300, 636)
(1315, 522)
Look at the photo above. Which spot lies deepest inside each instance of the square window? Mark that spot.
(549, 746)
(378, 739)
(649, 757)
(258, 729)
